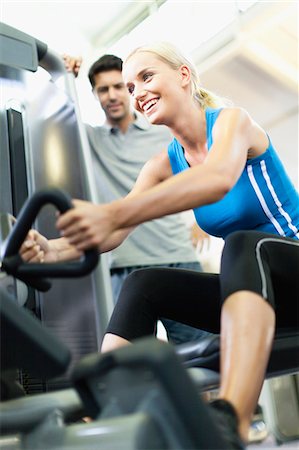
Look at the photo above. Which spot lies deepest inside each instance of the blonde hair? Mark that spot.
(170, 55)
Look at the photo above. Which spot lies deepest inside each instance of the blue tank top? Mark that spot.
(264, 198)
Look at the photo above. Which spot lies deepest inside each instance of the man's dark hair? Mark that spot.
(104, 64)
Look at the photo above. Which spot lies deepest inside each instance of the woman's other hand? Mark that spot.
(37, 248)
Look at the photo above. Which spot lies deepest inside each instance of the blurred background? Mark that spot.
(246, 51)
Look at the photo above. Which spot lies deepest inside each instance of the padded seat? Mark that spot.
(205, 354)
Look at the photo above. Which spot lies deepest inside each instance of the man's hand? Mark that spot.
(72, 64)
(198, 236)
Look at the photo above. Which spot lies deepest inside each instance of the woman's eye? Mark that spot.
(131, 89)
(147, 75)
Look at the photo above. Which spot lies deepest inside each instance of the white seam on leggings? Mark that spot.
(260, 262)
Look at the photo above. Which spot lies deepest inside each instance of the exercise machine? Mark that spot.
(43, 144)
(134, 394)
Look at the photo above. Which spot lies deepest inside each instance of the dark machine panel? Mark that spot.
(19, 185)
(42, 146)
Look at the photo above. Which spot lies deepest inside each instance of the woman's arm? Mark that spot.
(202, 184)
(37, 248)
(90, 225)
(91, 218)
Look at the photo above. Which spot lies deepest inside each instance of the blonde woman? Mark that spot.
(222, 164)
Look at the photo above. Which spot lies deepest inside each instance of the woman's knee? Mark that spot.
(138, 282)
(133, 315)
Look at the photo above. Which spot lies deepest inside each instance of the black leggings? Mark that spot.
(258, 262)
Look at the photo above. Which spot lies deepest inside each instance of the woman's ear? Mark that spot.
(185, 74)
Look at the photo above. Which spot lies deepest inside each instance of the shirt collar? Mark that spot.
(140, 122)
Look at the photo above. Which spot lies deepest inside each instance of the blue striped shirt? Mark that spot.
(264, 198)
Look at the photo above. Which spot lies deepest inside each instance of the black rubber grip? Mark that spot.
(16, 267)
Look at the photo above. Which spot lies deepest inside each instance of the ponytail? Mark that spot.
(208, 99)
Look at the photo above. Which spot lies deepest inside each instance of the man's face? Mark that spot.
(113, 95)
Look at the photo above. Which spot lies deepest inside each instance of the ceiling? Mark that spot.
(257, 68)
(267, 32)
(267, 36)
(76, 26)
(253, 60)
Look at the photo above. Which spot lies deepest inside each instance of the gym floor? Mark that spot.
(270, 443)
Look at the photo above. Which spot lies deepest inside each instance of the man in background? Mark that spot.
(119, 150)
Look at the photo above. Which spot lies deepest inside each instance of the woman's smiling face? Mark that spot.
(154, 86)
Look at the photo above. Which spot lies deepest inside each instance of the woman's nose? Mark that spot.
(139, 94)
